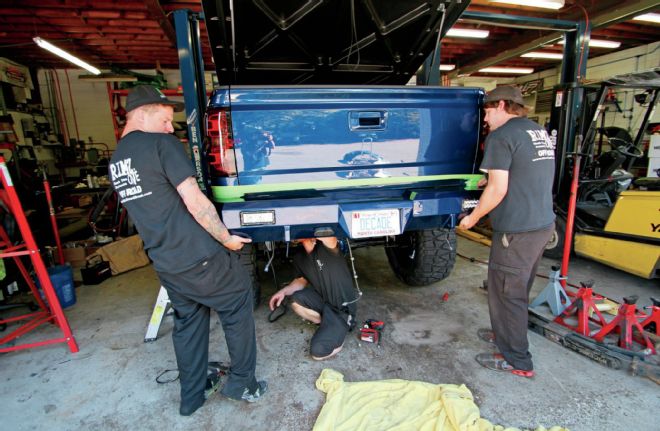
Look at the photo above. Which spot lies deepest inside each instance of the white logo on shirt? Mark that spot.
(320, 264)
(125, 180)
(545, 148)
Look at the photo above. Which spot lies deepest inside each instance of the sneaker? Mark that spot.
(212, 385)
(496, 362)
(486, 335)
(333, 353)
(254, 396)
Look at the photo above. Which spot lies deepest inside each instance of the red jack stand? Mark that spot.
(49, 313)
(583, 303)
(652, 322)
(624, 322)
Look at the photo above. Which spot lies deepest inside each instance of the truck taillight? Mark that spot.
(221, 151)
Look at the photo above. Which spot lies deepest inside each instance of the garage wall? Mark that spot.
(638, 59)
(89, 102)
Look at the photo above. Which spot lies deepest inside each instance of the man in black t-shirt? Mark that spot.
(519, 161)
(190, 247)
(330, 301)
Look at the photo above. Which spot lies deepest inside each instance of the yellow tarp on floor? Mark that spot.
(399, 405)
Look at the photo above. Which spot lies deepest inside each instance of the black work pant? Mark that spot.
(514, 260)
(334, 324)
(222, 284)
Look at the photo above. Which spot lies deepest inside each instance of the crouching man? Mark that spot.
(322, 293)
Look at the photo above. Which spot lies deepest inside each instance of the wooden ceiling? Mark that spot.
(139, 34)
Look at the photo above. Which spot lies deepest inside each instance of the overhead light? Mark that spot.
(650, 17)
(599, 43)
(539, 54)
(65, 55)
(543, 4)
(447, 67)
(468, 32)
(514, 70)
(108, 77)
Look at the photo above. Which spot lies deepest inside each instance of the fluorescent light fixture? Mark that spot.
(599, 43)
(543, 4)
(540, 54)
(65, 55)
(468, 32)
(447, 67)
(513, 70)
(650, 17)
(108, 77)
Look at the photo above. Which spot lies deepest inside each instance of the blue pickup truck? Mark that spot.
(313, 148)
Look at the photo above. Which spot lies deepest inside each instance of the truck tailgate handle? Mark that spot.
(367, 120)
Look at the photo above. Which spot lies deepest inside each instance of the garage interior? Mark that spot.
(111, 365)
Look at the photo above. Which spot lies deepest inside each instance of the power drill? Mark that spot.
(371, 331)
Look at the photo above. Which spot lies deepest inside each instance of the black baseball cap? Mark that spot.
(147, 95)
(505, 92)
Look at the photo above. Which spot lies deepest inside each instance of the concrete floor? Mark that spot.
(110, 384)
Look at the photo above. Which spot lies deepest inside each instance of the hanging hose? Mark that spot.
(53, 220)
(59, 103)
(73, 109)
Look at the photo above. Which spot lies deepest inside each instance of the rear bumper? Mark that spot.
(290, 219)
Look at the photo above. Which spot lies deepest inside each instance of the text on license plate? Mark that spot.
(365, 224)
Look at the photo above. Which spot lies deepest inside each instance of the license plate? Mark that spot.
(366, 224)
(257, 218)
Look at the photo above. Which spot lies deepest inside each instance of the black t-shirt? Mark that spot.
(524, 149)
(328, 273)
(145, 170)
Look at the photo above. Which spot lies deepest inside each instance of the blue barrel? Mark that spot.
(61, 277)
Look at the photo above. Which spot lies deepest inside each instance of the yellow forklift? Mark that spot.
(617, 215)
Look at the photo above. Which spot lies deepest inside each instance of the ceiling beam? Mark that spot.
(626, 11)
(153, 6)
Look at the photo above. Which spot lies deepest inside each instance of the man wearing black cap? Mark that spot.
(519, 165)
(190, 248)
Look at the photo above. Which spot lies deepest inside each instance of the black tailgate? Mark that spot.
(325, 41)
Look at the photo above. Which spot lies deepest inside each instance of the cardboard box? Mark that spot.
(77, 255)
(84, 200)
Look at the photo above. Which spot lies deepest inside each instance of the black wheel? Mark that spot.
(555, 247)
(420, 258)
(248, 258)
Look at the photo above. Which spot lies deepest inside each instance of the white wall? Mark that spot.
(638, 59)
(90, 103)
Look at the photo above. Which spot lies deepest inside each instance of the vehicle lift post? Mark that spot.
(186, 24)
(191, 64)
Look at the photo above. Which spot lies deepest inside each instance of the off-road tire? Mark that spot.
(423, 257)
(248, 258)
